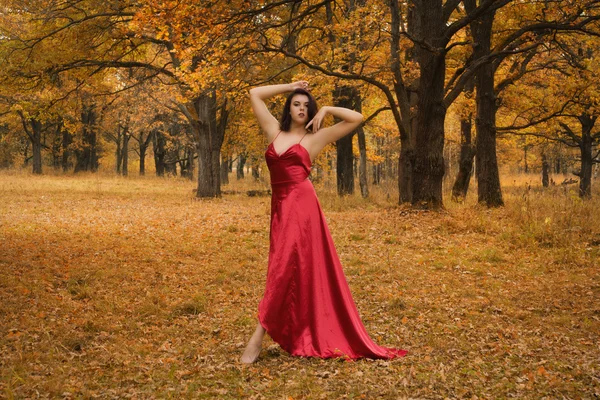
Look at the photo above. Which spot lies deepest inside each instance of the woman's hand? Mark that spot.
(300, 85)
(318, 119)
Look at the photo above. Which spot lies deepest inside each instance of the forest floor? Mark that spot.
(117, 287)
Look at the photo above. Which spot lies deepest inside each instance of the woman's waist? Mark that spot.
(287, 182)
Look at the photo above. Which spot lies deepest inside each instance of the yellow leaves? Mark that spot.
(14, 334)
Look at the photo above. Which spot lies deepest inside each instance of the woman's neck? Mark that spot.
(297, 128)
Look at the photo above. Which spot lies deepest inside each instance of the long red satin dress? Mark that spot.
(307, 307)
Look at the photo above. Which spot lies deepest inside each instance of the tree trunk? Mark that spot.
(586, 145)
(202, 115)
(344, 159)
(119, 152)
(377, 168)
(190, 162)
(35, 138)
(428, 167)
(36, 145)
(344, 96)
(143, 148)
(87, 156)
(240, 166)
(66, 152)
(405, 172)
(465, 164)
(525, 148)
(225, 170)
(488, 179)
(545, 168)
(56, 145)
(377, 174)
(406, 95)
(158, 146)
(362, 169)
(218, 127)
(125, 153)
(144, 143)
(202, 132)
(557, 165)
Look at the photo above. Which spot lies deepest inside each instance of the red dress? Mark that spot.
(307, 306)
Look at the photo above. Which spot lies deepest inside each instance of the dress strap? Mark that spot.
(302, 138)
(275, 136)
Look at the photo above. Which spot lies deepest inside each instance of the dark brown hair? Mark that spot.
(286, 118)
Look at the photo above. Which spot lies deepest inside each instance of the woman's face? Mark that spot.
(299, 109)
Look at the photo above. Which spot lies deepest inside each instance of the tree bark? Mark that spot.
(208, 138)
(56, 145)
(428, 167)
(158, 146)
(240, 166)
(36, 145)
(119, 152)
(219, 125)
(201, 128)
(344, 96)
(465, 164)
(586, 145)
(66, 151)
(225, 170)
(344, 159)
(143, 148)
(255, 172)
(406, 96)
(362, 168)
(488, 178)
(87, 155)
(190, 162)
(125, 152)
(545, 169)
(33, 130)
(525, 148)
(143, 144)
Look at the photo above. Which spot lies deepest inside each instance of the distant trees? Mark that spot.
(173, 76)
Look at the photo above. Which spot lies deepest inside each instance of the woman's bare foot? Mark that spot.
(251, 353)
(254, 346)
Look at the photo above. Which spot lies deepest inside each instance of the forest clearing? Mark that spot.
(134, 288)
(453, 151)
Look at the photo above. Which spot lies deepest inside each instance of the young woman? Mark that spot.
(307, 307)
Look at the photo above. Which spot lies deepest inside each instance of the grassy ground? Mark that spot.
(113, 287)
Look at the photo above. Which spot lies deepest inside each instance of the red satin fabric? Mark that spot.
(307, 306)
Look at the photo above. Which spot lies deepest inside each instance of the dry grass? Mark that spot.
(114, 287)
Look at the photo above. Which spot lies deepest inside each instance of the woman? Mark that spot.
(307, 307)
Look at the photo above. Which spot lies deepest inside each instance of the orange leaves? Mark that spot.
(14, 334)
(171, 306)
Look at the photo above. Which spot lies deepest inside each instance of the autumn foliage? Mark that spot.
(116, 284)
(116, 287)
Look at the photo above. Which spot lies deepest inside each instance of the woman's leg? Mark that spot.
(254, 345)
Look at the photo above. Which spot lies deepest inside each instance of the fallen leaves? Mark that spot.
(167, 309)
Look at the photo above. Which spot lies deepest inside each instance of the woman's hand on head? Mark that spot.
(317, 120)
(300, 85)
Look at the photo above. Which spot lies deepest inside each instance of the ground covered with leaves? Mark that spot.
(131, 288)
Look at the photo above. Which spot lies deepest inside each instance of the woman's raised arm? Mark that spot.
(258, 95)
(350, 121)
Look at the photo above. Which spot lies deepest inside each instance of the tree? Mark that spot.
(565, 105)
